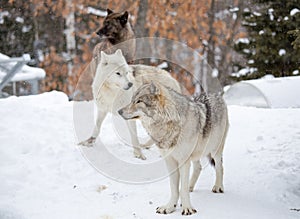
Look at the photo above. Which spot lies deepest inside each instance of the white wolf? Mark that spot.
(184, 130)
(111, 90)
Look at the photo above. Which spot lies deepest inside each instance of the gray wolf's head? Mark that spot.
(113, 25)
(115, 70)
(146, 102)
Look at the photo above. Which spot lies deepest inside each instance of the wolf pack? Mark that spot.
(185, 129)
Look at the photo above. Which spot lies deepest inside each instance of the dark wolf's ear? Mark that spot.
(109, 11)
(124, 18)
(154, 89)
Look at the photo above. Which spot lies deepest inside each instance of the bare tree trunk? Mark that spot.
(142, 47)
(71, 42)
(211, 43)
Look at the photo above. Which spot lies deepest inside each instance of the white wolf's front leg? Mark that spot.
(196, 172)
(91, 141)
(174, 185)
(187, 208)
(134, 140)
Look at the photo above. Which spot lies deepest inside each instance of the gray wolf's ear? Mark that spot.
(124, 18)
(154, 89)
(119, 52)
(109, 11)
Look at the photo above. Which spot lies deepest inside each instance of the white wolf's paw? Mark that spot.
(188, 211)
(191, 188)
(145, 146)
(138, 154)
(89, 142)
(166, 209)
(218, 189)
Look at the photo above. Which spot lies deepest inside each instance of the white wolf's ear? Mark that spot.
(119, 52)
(154, 89)
(103, 56)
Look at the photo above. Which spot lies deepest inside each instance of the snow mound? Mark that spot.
(267, 92)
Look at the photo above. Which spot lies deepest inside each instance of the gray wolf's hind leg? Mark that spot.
(218, 162)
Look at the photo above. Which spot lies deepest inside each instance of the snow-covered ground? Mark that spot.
(43, 173)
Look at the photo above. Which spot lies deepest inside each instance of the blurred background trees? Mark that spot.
(60, 35)
(271, 45)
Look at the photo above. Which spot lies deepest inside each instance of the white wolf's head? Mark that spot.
(115, 70)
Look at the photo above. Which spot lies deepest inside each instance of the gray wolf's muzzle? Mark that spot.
(121, 111)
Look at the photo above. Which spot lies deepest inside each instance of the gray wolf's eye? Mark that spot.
(118, 73)
(138, 101)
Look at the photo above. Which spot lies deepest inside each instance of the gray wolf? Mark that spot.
(185, 130)
(111, 90)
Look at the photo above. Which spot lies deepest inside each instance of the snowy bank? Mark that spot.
(43, 173)
(267, 93)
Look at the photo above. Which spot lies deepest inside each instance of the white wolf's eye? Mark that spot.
(118, 73)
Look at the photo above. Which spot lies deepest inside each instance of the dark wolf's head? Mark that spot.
(146, 102)
(114, 26)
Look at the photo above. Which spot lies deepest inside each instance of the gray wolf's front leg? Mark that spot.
(174, 185)
(184, 171)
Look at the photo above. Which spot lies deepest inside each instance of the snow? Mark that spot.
(27, 73)
(294, 11)
(257, 14)
(19, 20)
(234, 10)
(44, 174)
(97, 12)
(282, 52)
(270, 11)
(244, 71)
(296, 72)
(243, 40)
(266, 92)
(2, 15)
(215, 73)
(163, 65)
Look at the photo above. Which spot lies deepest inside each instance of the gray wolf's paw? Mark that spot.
(166, 209)
(89, 142)
(188, 211)
(139, 155)
(218, 189)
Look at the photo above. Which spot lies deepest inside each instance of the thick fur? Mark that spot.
(116, 30)
(111, 90)
(185, 130)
